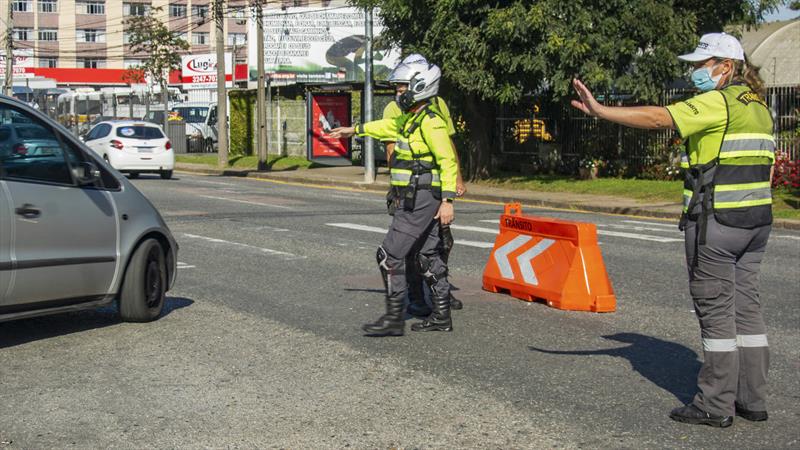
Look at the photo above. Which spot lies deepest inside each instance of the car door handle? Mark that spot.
(28, 211)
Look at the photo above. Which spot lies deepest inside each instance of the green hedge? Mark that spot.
(242, 116)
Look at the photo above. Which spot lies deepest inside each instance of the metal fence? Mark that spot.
(568, 136)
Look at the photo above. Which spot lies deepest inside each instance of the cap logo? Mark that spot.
(703, 45)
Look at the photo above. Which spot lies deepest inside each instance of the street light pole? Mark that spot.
(9, 50)
(261, 138)
(368, 154)
(222, 103)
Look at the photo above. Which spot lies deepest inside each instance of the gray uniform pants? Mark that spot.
(724, 287)
(411, 233)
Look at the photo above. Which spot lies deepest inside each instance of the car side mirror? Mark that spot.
(86, 173)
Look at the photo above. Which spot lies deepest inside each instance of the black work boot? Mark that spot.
(417, 306)
(439, 320)
(455, 303)
(696, 416)
(390, 324)
(753, 416)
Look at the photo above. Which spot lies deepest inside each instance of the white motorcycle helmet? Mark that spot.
(422, 79)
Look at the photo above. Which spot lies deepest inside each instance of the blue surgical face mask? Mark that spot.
(703, 80)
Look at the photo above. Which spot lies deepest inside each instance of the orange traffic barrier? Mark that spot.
(558, 261)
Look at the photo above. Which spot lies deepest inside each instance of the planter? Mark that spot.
(586, 173)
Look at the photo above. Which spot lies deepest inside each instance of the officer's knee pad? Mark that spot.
(380, 257)
(428, 269)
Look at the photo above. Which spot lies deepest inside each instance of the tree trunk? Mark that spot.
(480, 117)
(165, 101)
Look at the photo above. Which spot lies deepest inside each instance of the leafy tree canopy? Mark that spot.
(151, 37)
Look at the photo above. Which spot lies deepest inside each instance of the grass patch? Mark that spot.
(786, 204)
(642, 190)
(274, 162)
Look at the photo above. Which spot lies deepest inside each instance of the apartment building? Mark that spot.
(92, 34)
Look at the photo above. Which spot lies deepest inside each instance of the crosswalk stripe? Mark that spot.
(358, 227)
(641, 237)
(668, 225)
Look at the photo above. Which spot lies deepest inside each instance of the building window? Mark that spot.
(237, 38)
(135, 9)
(48, 6)
(177, 10)
(200, 13)
(132, 63)
(23, 34)
(182, 35)
(21, 6)
(49, 62)
(48, 34)
(200, 38)
(91, 63)
(91, 36)
(93, 8)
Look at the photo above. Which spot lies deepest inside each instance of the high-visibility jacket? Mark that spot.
(422, 149)
(729, 160)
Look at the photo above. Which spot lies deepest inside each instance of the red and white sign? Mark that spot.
(200, 71)
(22, 59)
(329, 111)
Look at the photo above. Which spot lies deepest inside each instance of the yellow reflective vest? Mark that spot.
(422, 147)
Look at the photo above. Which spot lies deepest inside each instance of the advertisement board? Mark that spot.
(23, 59)
(326, 112)
(200, 71)
(305, 44)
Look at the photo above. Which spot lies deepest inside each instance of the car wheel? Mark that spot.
(141, 298)
(133, 175)
(166, 174)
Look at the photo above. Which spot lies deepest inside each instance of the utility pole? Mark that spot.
(368, 154)
(261, 136)
(9, 50)
(222, 97)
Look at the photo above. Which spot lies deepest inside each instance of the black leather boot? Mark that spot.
(390, 324)
(439, 320)
(455, 303)
(696, 416)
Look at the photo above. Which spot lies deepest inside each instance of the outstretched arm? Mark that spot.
(647, 117)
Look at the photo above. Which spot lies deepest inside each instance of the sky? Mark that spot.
(784, 13)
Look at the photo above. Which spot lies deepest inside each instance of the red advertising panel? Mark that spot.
(326, 112)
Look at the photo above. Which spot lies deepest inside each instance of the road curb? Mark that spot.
(382, 186)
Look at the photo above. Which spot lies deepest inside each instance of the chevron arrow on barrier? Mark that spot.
(525, 260)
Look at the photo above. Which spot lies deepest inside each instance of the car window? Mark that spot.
(102, 130)
(32, 151)
(139, 132)
(192, 114)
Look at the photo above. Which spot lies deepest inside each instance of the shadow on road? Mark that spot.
(668, 365)
(38, 328)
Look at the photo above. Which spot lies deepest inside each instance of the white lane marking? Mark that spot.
(668, 225)
(269, 251)
(213, 182)
(783, 236)
(244, 201)
(638, 228)
(475, 229)
(357, 227)
(183, 265)
(358, 197)
(642, 237)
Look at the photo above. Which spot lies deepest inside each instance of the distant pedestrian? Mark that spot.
(727, 220)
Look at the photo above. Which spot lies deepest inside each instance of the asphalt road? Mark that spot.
(260, 345)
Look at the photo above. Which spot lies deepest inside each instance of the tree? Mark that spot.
(151, 37)
(496, 53)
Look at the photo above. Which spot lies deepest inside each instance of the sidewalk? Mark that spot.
(353, 177)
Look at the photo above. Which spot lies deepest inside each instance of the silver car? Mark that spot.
(74, 233)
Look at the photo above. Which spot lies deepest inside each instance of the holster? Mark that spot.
(410, 193)
(392, 200)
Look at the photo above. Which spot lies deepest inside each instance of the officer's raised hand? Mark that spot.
(342, 132)
(446, 213)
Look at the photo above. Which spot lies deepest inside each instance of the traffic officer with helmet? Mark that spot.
(416, 294)
(423, 173)
(727, 220)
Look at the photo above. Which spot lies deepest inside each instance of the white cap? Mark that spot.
(716, 45)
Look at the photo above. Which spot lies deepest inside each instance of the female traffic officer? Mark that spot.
(727, 219)
(423, 173)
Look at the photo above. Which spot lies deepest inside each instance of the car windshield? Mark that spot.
(192, 114)
(139, 132)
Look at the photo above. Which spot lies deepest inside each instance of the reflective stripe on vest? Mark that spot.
(742, 195)
(687, 197)
(401, 177)
(747, 144)
(684, 160)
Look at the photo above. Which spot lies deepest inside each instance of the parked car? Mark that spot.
(133, 147)
(25, 139)
(201, 123)
(75, 233)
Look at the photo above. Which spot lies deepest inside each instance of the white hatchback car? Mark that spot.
(133, 146)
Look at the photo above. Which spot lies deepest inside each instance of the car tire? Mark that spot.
(165, 174)
(133, 175)
(144, 287)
